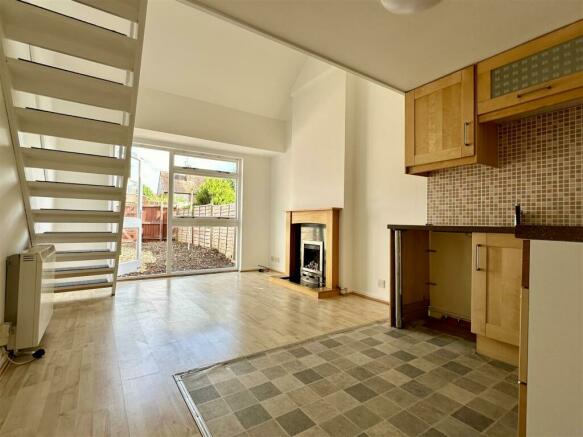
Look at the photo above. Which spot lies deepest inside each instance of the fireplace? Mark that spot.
(312, 263)
(312, 252)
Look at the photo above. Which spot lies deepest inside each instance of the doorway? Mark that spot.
(182, 214)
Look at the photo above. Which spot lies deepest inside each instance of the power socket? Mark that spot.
(4, 333)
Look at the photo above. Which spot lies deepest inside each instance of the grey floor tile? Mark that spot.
(456, 367)
(427, 412)
(267, 429)
(409, 424)
(329, 354)
(360, 373)
(274, 372)
(417, 389)
(307, 376)
(229, 386)
(295, 422)
(326, 370)
(443, 403)
(303, 396)
(362, 417)
(469, 385)
(340, 426)
(279, 405)
(499, 430)
(225, 426)
(472, 418)
(252, 416)
(265, 391)
(404, 356)
(487, 408)
(510, 420)
(320, 411)
(300, 352)
(507, 388)
(378, 384)
(240, 400)
(323, 387)
(213, 409)
(432, 432)
(242, 367)
(383, 407)
(331, 343)
(452, 427)
(372, 353)
(204, 394)
(409, 370)
(401, 397)
(360, 392)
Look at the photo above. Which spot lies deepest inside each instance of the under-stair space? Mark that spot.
(70, 73)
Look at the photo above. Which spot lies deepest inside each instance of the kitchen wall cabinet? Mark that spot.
(440, 126)
(541, 74)
(496, 294)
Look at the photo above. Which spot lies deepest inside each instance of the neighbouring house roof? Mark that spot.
(183, 184)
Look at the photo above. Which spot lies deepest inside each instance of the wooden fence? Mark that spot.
(155, 225)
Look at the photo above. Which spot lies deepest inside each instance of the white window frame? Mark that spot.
(202, 221)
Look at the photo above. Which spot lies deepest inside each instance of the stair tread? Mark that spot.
(74, 18)
(48, 29)
(78, 117)
(116, 9)
(112, 82)
(58, 152)
(82, 268)
(63, 252)
(73, 183)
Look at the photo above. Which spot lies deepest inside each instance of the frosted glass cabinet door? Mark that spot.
(544, 72)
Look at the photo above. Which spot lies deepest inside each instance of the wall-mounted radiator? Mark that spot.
(29, 295)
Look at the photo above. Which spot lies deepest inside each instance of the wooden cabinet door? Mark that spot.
(439, 120)
(496, 285)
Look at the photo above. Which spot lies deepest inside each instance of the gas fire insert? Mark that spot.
(312, 263)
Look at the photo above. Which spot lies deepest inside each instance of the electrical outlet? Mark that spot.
(4, 333)
(382, 283)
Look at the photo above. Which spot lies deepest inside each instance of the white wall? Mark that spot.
(346, 149)
(12, 219)
(310, 173)
(555, 340)
(256, 208)
(170, 113)
(381, 192)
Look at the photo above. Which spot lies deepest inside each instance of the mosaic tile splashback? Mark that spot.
(540, 166)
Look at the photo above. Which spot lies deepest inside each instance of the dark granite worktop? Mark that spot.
(525, 232)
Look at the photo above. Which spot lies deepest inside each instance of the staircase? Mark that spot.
(70, 74)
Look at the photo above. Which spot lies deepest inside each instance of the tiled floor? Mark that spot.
(369, 381)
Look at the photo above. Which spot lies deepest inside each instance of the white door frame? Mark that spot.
(132, 223)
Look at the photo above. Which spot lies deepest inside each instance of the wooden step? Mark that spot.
(72, 161)
(84, 255)
(44, 28)
(127, 9)
(76, 272)
(74, 191)
(74, 216)
(37, 121)
(76, 237)
(82, 285)
(36, 78)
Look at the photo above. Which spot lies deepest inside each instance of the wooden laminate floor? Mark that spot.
(109, 362)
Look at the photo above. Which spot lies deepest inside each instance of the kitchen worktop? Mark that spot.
(525, 232)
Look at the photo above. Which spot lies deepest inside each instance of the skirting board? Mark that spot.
(366, 296)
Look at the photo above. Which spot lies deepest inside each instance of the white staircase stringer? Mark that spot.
(132, 78)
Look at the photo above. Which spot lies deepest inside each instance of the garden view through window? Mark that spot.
(181, 214)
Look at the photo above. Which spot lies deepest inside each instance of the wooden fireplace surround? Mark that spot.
(328, 217)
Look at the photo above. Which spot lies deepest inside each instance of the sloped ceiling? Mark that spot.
(193, 54)
(402, 51)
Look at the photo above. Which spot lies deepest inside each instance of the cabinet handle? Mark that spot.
(478, 257)
(466, 126)
(534, 90)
